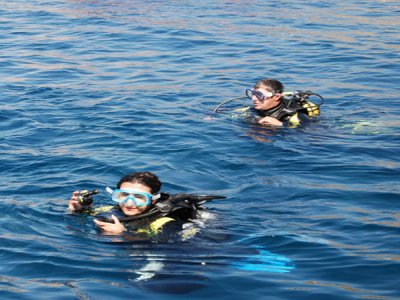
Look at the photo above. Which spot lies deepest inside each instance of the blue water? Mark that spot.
(92, 90)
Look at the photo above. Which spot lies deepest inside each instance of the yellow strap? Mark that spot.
(294, 120)
(312, 109)
(157, 225)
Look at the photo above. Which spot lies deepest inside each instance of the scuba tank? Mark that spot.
(300, 99)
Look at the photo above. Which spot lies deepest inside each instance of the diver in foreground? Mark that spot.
(274, 107)
(141, 208)
(143, 213)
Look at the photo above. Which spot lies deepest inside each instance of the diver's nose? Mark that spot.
(130, 202)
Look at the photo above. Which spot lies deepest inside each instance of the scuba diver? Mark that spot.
(141, 208)
(143, 213)
(274, 107)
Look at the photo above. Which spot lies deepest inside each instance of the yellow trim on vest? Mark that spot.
(155, 227)
(189, 233)
(294, 120)
(102, 209)
(312, 109)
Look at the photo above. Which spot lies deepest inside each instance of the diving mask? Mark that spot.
(259, 95)
(139, 198)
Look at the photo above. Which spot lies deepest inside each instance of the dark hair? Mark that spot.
(146, 178)
(275, 85)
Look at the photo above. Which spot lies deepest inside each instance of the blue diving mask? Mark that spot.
(139, 198)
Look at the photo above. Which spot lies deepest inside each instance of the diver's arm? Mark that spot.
(270, 121)
(111, 228)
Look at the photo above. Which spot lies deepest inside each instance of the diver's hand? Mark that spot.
(74, 204)
(270, 121)
(111, 228)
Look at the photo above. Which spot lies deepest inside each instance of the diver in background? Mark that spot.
(274, 109)
(141, 208)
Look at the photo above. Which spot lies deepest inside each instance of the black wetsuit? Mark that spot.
(290, 111)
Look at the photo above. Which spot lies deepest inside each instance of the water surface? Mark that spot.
(92, 90)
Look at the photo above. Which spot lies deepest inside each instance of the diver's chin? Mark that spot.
(130, 211)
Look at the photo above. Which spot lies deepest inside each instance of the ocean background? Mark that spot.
(92, 90)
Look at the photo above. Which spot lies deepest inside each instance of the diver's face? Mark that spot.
(128, 207)
(270, 100)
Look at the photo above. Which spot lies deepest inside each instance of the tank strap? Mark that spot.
(312, 109)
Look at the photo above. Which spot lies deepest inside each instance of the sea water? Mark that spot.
(92, 90)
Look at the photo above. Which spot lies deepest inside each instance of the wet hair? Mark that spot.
(146, 178)
(275, 85)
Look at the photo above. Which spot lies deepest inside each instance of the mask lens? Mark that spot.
(140, 200)
(260, 96)
(120, 196)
